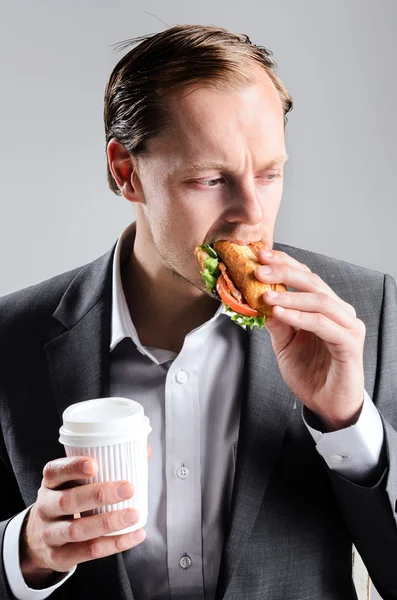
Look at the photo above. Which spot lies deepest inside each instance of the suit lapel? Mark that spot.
(78, 363)
(265, 411)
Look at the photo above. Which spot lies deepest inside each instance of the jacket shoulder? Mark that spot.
(30, 307)
(330, 268)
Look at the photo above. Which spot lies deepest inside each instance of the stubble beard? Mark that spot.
(169, 265)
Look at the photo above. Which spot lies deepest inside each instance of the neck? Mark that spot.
(164, 307)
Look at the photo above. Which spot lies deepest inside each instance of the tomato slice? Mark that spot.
(227, 298)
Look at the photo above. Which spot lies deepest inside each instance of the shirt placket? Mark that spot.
(183, 473)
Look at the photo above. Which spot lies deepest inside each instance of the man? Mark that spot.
(247, 498)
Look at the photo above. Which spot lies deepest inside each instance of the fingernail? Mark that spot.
(87, 467)
(272, 294)
(267, 253)
(124, 490)
(280, 308)
(139, 536)
(265, 270)
(131, 516)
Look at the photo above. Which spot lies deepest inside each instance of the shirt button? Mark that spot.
(336, 458)
(181, 377)
(182, 472)
(185, 561)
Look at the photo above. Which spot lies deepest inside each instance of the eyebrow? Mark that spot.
(219, 166)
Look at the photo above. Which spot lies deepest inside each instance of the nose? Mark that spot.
(244, 206)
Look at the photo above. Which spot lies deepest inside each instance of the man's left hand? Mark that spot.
(317, 339)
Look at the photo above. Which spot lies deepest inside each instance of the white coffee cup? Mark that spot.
(114, 432)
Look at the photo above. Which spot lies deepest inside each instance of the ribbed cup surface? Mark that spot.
(127, 460)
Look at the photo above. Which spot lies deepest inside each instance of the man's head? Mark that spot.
(194, 120)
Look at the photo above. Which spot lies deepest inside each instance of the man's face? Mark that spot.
(218, 173)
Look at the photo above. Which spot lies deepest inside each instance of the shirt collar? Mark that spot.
(121, 323)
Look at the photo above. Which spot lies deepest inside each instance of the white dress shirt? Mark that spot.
(193, 402)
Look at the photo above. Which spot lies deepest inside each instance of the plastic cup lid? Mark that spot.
(103, 417)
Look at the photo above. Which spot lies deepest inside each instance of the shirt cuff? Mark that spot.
(356, 451)
(12, 566)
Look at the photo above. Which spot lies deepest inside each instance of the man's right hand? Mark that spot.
(56, 538)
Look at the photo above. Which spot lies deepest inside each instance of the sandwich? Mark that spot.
(228, 272)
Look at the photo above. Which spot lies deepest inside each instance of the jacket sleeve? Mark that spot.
(370, 510)
(11, 503)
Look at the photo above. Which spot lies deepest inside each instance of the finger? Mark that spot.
(303, 281)
(315, 303)
(316, 323)
(64, 531)
(281, 333)
(65, 558)
(58, 472)
(276, 257)
(149, 451)
(60, 503)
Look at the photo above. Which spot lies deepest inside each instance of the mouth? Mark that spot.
(238, 241)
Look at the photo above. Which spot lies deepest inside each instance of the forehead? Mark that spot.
(206, 121)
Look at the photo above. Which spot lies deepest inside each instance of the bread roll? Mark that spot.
(202, 256)
(241, 263)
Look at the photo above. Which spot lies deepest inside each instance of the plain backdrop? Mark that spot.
(338, 60)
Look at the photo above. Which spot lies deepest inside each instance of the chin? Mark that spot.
(192, 280)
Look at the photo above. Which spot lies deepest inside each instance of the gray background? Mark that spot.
(338, 60)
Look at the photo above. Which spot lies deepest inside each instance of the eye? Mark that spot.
(212, 182)
(273, 176)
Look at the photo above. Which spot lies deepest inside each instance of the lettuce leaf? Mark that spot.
(244, 321)
(211, 272)
(209, 249)
(210, 275)
(212, 265)
(210, 280)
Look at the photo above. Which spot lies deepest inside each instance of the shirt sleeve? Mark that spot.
(12, 566)
(355, 452)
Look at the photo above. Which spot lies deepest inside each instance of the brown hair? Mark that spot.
(185, 54)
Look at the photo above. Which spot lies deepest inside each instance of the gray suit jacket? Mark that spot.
(293, 521)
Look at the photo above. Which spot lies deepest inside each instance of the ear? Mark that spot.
(123, 169)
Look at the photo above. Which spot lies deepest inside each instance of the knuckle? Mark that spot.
(107, 523)
(316, 279)
(321, 319)
(292, 297)
(351, 310)
(64, 503)
(40, 510)
(53, 557)
(324, 299)
(361, 326)
(40, 493)
(45, 536)
(359, 333)
(49, 470)
(94, 549)
(282, 256)
(99, 495)
(72, 531)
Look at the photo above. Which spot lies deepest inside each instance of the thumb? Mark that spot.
(281, 334)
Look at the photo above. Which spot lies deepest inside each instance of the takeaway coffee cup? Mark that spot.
(114, 432)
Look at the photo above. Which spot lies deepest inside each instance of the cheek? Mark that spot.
(191, 211)
(178, 223)
(271, 200)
